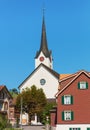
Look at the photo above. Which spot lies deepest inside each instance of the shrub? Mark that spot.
(4, 123)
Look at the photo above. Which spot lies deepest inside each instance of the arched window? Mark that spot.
(5, 106)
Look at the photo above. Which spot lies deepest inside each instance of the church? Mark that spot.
(69, 90)
(43, 76)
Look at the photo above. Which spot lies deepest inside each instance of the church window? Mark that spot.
(42, 81)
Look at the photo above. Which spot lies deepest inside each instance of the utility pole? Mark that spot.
(21, 113)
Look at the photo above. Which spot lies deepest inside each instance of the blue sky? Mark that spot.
(68, 35)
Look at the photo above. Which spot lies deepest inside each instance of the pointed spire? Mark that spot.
(44, 45)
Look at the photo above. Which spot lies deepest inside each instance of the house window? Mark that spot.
(82, 85)
(11, 114)
(5, 106)
(2, 95)
(67, 99)
(74, 128)
(1, 105)
(67, 115)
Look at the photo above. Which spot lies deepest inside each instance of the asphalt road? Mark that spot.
(33, 127)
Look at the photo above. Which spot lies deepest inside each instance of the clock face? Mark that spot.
(41, 58)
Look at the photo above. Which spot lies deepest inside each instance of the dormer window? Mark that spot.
(82, 85)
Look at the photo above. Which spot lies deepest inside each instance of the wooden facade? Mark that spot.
(73, 102)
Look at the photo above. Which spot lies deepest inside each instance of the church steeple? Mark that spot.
(44, 45)
(43, 55)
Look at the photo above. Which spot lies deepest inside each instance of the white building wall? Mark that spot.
(67, 127)
(24, 119)
(51, 86)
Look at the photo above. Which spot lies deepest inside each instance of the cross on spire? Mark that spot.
(43, 9)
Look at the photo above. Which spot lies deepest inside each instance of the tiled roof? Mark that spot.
(1, 87)
(64, 76)
(4, 87)
(67, 80)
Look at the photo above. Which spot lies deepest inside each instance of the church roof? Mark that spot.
(54, 73)
(44, 45)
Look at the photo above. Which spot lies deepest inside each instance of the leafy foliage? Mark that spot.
(33, 100)
(13, 92)
(46, 112)
(4, 122)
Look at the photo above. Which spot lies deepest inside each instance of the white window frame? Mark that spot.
(74, 128)
(83, 85)
(67, 115)
(67, 99)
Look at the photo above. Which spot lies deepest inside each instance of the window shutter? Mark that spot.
(72, 115)
(86, 85)
(78, 85)
(62, 99)
(71, 99)
(78, 128)
(63, 115)
(88, 128)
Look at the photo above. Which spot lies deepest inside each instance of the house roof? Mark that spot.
(54, 73)
(64, 76)
(2, 87)
(67, 80)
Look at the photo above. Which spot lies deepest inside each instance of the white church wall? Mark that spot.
(46, 61)
(50, 87)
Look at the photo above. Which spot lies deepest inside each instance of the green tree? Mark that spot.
(13, 92)
(33, 101)
(46, 112)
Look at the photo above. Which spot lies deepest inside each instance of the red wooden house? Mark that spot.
(73, 103)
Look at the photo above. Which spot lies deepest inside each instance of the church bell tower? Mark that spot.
(44, 55)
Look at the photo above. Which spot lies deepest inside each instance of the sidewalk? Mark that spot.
(33, 127)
